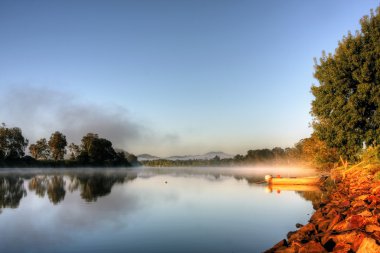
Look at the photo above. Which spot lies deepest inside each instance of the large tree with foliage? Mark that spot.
(57, 144)
(97, 149)
(12, 143)
(346, 106)
(40, 150)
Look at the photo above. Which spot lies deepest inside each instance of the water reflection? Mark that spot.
(95, 186)
(54, 186)
(316, 197)
(144, 212)
(91, 186)
(11, 191)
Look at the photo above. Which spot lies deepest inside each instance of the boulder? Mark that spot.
(356, 222)
(312, 247)
(280, 245)
(358, 240)
(342, 247)
(368, 245)
(376, 190)
(372, 228)
(334, 221)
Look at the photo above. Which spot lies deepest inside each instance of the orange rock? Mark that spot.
(341, 226)
(317, 216)
(344, 220)
(342, 247)
(358, 240)
(376, 190)
(280, 245)
(327, 241)
(323, 225)
(331, 214)
(362, 197)
(358, 203)
(334, 221)
(365, 213)
(347, 237)
(355, 222)
(291, 249)
(368, 245)
(376, 236)
(344, 204)
(308, 228)
(312, 247)
(372, 228)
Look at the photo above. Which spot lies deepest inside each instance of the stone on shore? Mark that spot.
(348, 220)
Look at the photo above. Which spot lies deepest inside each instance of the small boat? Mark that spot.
(294, 187)
(292, 180)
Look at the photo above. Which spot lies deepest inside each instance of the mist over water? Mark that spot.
(248, 171)
(252, 172)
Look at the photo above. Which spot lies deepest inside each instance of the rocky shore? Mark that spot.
(347, 220)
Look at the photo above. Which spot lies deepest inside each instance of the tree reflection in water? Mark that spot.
(56, 189)
(91, 187)
(11, 191)
(97, 185)
(54, 186)
(39, 185)
(316, 197)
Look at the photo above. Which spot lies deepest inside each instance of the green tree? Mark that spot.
(12, 143)
(259, 155)
(40, 150)
(97, 149)
(346, 106)
(57, 144)
(87, 141)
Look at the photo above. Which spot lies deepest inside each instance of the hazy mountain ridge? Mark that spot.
(207, 156)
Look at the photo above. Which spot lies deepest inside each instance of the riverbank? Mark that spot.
(346, 220)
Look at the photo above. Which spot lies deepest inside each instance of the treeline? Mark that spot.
(309, 152)
(55, 152)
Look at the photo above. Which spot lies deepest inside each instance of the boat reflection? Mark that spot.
(298, 188)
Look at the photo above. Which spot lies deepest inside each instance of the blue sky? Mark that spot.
(167, 77)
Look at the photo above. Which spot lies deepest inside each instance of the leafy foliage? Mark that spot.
(57, 144)
(97, 149)
(40, 150)
(315, 153)
(346, 105)
(12, 143)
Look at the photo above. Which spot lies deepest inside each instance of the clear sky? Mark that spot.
(167, 77)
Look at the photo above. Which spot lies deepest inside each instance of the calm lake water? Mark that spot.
(144, 210)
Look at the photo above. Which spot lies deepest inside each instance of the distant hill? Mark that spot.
(147, 157)
(207, 156)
